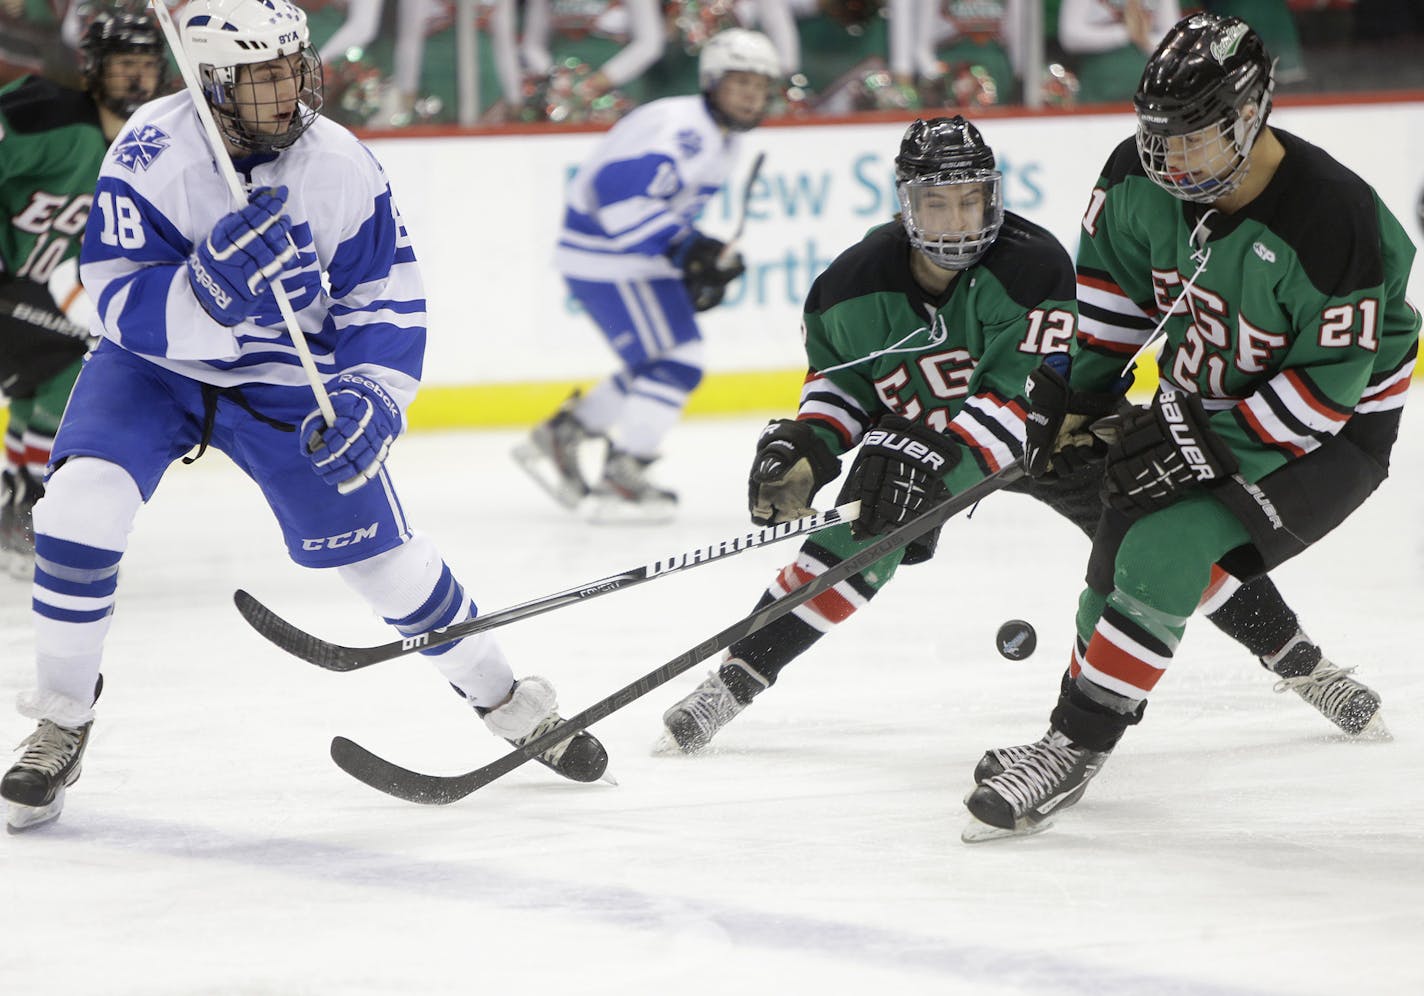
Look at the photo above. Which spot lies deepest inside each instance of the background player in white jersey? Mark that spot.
(634, 260)
(195, 354)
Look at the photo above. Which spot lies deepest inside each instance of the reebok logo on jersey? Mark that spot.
(1263, 252)
(912, 448)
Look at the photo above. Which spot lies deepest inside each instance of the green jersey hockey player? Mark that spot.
(1278, 279)
(52, 140)
(919, 340)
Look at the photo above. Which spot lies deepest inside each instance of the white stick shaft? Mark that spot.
(239, 196)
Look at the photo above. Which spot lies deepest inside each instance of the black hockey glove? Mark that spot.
(706, 281)
(898, 473)
(791, 465)
(1161, 452)
(1057, 433)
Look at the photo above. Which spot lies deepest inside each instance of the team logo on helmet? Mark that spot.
(1225, 46)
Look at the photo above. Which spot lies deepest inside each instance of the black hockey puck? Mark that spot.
(1016, 640)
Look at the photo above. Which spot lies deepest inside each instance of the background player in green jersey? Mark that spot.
(1279, 278)
(52, 140)
(919, 340)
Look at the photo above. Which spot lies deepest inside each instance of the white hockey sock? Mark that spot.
(412, 589)
(81, 531)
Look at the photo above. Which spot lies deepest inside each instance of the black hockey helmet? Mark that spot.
(120, 34)
(943, 153)
(1209, 72)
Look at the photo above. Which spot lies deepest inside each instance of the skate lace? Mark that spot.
(1328, 687)
(1038, 774)
(555, 753)
(712, 705)
(49, 748)
(1010, 756)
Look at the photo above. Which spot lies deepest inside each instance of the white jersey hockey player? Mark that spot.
(633, 258)
(195, 354)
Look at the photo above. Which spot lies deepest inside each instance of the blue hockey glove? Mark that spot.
(246, 249)
(350, 452)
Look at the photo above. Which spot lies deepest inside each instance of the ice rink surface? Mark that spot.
(1233, 844)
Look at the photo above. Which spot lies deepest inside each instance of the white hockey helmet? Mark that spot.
(736, 50)
(221, 36)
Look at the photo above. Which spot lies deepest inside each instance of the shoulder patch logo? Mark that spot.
(1263, 252)
(138, 149)
(689, 142)
(1225, 46)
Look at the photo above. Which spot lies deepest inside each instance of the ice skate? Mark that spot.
(17, 530)
(530, 713)
(1019, 800)
(551, 456)
(625, 494)
(34, 786)
(690, 725)
(1347, 703)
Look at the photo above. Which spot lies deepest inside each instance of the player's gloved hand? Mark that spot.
(1058, 438)
(704, 274)
(246, 249)
(350, 452)
(898, 473)
(791, 465)
(1160, 452)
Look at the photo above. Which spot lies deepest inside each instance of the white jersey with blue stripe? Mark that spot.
(354, 285)
(641, 189)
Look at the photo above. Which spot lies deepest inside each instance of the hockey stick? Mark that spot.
(438, 790)
(239, 196)
(335, 657)
(725, 256)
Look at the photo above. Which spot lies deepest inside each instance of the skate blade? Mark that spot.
(20, 818)
(541, 471)
(978, 832)
(667, 746)
(605, 511)
(1375, 730)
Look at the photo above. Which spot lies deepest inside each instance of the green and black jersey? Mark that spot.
(876, 342)
(1288, 317)
(51, 146)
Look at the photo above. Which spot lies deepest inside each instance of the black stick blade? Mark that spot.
(392, 779)
(294, 641)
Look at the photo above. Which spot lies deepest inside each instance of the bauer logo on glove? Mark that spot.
(889, 441)
(1180, 428)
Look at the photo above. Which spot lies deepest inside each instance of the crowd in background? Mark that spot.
(392, 64)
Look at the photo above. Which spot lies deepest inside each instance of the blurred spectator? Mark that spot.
(829, 49)
(575, 54)
(956, 52)
(1108, 42)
